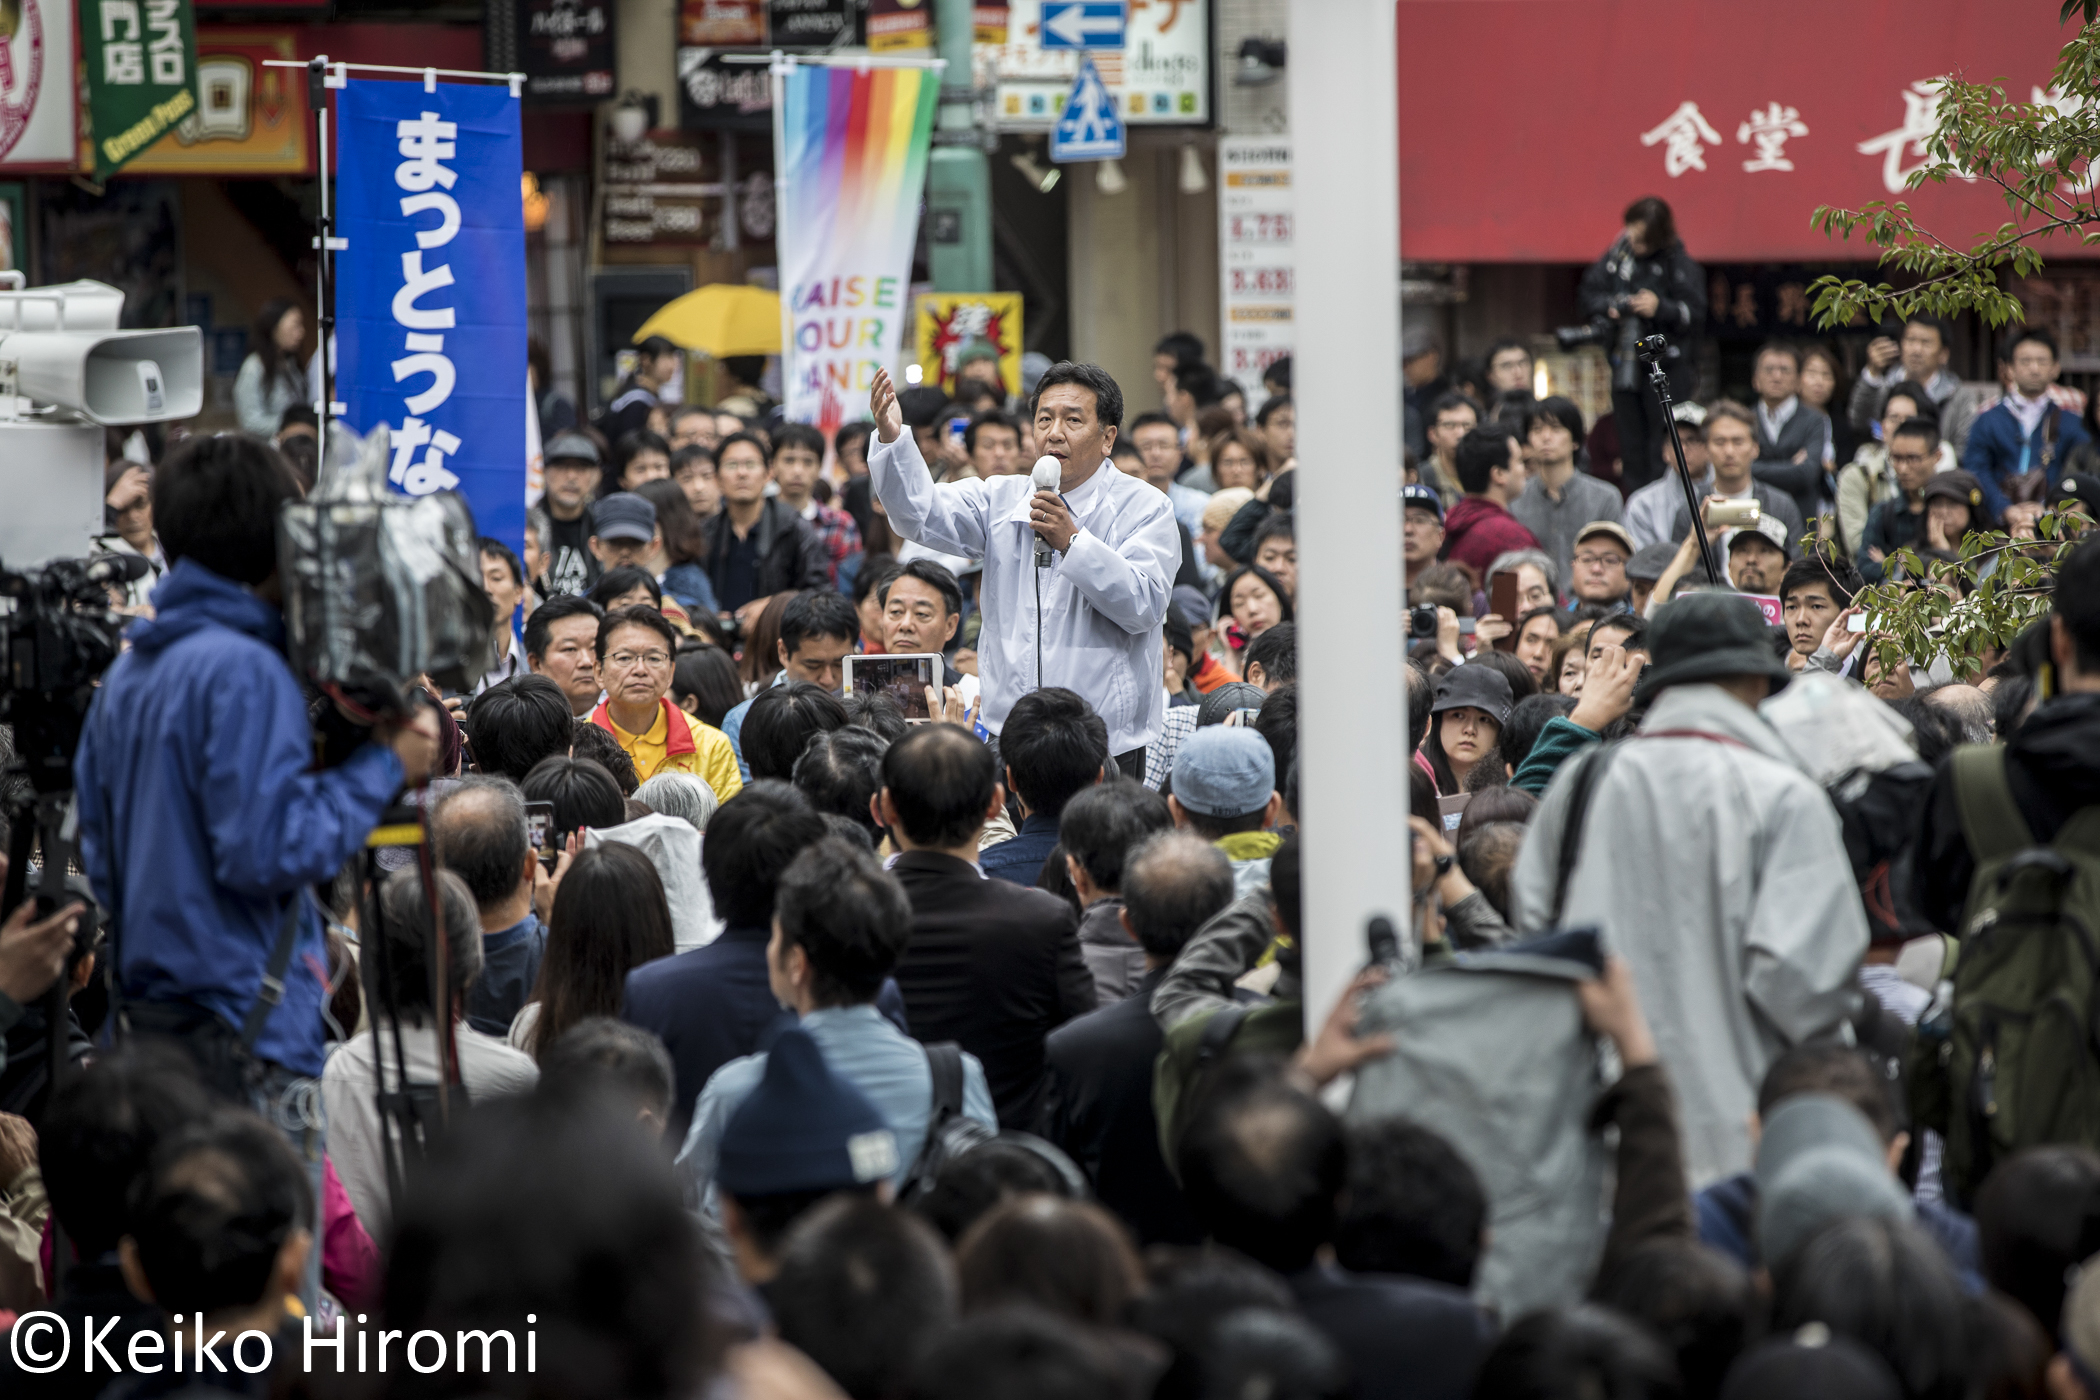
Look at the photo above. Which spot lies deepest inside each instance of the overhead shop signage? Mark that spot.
(1745, 130)
(565, 50)
(39, 98)
(1158, 73)
(141, 75)
(249, 119)
(714, 95)
(663, 189)
(787, 24)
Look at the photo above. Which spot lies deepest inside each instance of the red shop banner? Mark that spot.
(1527, 126)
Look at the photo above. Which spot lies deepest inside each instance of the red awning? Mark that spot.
(1527, 126)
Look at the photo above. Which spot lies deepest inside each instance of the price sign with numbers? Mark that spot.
(1257, 263)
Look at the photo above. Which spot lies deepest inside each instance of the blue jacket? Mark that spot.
(1020, 859)
(200, 815)
(1996, 450)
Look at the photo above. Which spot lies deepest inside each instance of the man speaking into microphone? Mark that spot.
(1076, 578)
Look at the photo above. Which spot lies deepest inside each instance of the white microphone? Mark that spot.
(1048, 472)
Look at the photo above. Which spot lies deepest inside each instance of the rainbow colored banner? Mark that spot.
(851, 148)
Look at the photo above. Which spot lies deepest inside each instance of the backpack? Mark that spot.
(949, 1131)
(2008, 1055)
(1878, 815)
(1193, 1050)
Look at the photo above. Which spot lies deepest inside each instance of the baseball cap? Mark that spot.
(623, 516)
(2080, 488)
(1416, 494)
(1954, 486)
(1611, 528)
(1224, 771)
(1650, 562)
(571, 447)
(1194, 608)
(1813, 1361)
(803, 1129)
(1482, 687)
(1233, 695)
(1770, 528)
(1819, 1161)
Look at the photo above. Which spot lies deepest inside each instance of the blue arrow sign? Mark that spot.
(1083, 24)
(1091, 128)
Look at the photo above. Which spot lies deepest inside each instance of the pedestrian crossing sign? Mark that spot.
(1091, 128)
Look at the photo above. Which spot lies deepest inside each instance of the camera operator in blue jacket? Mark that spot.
(202, 817)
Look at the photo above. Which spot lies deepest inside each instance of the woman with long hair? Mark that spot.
(680, 563)
(1254, 600)
(704, 682)
(1471, 710)
(273, 377)
(1823, 387)
(760, 660)
(610, 917)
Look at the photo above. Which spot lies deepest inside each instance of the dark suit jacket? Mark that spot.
(1098, 1108)
(1401, 1337)
(993, 966)
(710, 1006)
(714, 1005)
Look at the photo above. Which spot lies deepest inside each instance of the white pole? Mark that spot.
(1345, 383)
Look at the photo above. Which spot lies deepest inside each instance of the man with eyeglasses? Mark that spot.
(636, 649)
(1602, 548)
(1914, 454)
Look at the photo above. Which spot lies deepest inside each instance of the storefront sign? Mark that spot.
(819, 24)
(430, 300)
(722, 22)
(249, 119)
(663, 188)
(39, 97)
(141, 74)
(1257, 266)
(851, 172)
(565, 50)
(714, 95)
(1743, 127)
(950, 324)
(900, 27)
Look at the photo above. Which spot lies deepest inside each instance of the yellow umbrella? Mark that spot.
(720, 320)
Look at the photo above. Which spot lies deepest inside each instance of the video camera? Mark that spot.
(1621, 336)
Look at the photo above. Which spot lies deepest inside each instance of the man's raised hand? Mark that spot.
(882, 405)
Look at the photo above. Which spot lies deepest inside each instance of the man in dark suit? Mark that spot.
(712, 1004)
(991, 965)
(1100, 1091)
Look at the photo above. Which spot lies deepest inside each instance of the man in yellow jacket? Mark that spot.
(637, 649)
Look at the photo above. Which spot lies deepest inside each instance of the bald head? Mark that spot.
(482, 838)
(1969, 707)
(1173, 883)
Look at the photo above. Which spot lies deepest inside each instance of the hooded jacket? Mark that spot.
(1717, 869)
(1477, 529)
(200, 815)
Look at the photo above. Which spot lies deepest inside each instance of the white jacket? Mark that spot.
(1102, 603)
(1718, 870)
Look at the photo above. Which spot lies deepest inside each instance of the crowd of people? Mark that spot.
(721, 1027)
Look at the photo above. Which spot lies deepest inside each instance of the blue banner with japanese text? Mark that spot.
(430, 292)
